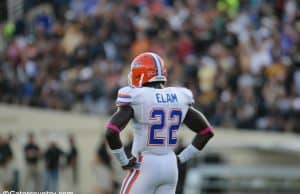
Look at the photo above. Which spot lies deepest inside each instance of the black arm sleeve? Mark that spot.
(197, 122)
(120, 119)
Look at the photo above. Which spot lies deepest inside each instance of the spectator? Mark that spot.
(32, 156)
(52, 156)
(102, 168)
(72, 160)
(6, 176)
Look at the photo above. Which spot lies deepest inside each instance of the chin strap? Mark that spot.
(129, 78)
(141, 80)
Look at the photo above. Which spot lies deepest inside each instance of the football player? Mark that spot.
(157, 113)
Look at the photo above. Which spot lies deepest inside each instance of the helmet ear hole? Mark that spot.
(137, 78)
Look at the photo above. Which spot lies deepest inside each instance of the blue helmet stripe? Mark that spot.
(157, 63)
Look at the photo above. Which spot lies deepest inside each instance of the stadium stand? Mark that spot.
(240, 58)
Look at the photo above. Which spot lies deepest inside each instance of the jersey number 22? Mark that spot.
(160, 122)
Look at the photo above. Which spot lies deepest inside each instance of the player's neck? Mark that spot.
(158, 85)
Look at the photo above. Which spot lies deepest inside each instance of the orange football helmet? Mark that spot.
(147, 67)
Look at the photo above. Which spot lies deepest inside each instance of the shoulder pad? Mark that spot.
(125, 96)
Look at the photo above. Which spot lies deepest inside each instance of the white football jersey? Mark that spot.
(158, 114)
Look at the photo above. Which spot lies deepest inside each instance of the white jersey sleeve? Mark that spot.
(126, 96)
(188, 96)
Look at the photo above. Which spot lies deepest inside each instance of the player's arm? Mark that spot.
(197, 122)
(116, 124)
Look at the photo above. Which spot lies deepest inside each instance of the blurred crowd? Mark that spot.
(241, 58)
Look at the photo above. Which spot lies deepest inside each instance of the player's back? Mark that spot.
(158, 114)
